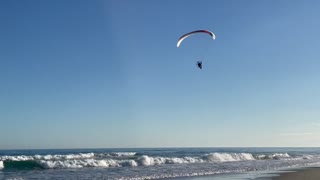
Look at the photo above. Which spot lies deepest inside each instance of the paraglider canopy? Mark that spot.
(183, 37)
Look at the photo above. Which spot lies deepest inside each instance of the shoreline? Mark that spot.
(303, 173)
(308, 173)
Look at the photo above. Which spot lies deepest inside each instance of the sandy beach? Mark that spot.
(303, 174)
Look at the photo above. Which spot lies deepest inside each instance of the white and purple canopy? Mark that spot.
(183, 37)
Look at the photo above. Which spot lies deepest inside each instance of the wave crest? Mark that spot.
(276, 156)
(223, 157)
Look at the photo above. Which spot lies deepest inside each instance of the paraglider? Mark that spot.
(199, 64)
(183, 37)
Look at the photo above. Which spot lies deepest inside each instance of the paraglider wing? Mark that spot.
(183, 37)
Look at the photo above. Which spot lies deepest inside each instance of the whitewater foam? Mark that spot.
(68, 156)
(279, 156)
(148, 161)
(141, 161)
(276, 156)
(80, 163)
(1, 165)
(16, 158)
(122, 154)
(224, 157)
(47, 157)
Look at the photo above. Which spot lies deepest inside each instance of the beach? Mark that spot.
(300, 174)
(306, 173)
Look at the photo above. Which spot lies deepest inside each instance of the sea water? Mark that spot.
(151, 163)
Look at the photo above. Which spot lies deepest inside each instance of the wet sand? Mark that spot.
(293, 174)
(303, 174)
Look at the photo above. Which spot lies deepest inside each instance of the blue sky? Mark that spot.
(86, 74)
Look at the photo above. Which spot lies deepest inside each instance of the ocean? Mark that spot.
(152, 163)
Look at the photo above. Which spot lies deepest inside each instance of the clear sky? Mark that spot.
(86, 74)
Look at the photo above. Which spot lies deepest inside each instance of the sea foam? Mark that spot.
(223, 157)
(276, 156)
(122, 154)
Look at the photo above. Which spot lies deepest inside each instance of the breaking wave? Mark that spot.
(127, 159)
(274, 156)
(223, 157)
